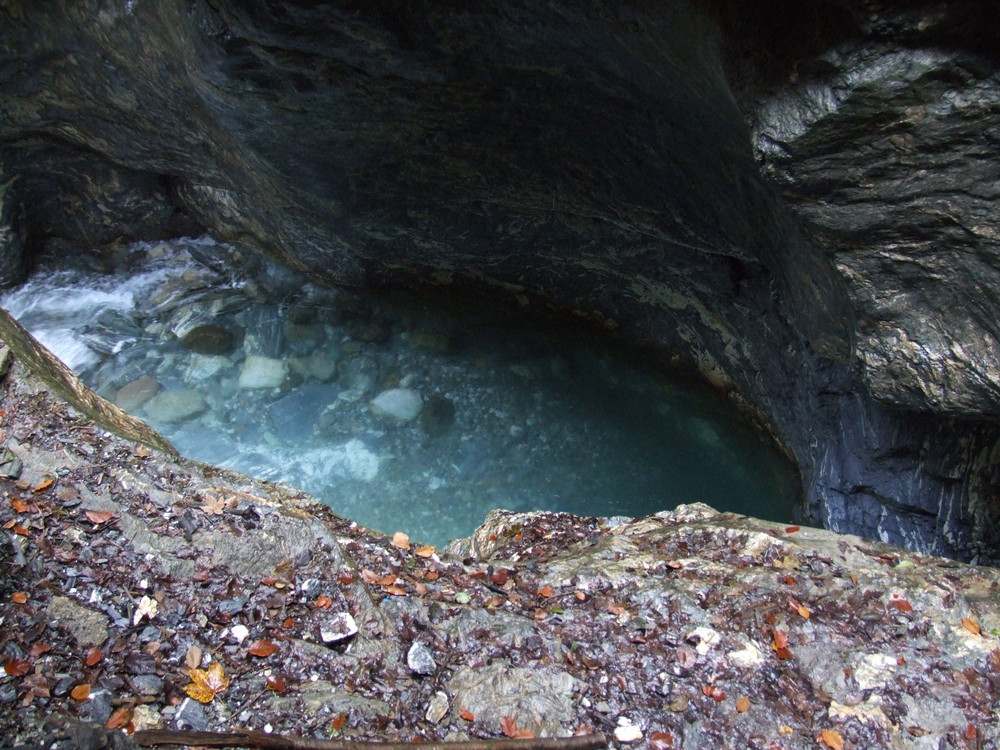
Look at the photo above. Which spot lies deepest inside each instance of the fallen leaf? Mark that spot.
(792, 529)
(323, 602)
(832, 739)
(119, 718)
(19, 506)
(339, 723)
(500, 576)
(43, 485)
(19, 597)
(580, 596)
(276, 683)
(462, 598)
(801, 609)
(902, 605)
(508, 726)
(193, 657)
(19, 529)
(288, 623)
(743, 704)
(80, 692)
(401, 540)
(394, 590)
(972, 627)
(387, 580)
(206, 684)
(425, 551)
(141, 451)
(97, 517)
(715, 693)
(17, 667)
(780, 645)
(94, 655)
(970, 732)
(262, 648)
(545, 591)
(214, 505)
(346, 578)
(466, 714)
(38, 649)
(661, 741)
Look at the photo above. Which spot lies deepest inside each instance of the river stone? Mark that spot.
(420, 660)
(540, 698)
(403, 404)
(90, 628)
(205, 366)
(438, 415)
(262, 372)
(133, 395)
(175, 406)
(208, 339)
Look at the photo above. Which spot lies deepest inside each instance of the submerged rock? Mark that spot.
(262, 372)
(175, 406)
(403, 404)
(134, 394)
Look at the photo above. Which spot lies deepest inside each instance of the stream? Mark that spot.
(401, 413)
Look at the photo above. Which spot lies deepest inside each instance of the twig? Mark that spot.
(276, 742)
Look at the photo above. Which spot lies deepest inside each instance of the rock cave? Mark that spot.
(796, 202)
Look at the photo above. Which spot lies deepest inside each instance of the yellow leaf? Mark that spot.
(743, 704)
(971, 626)
(401, 539)
(832, 739)
(206, 684)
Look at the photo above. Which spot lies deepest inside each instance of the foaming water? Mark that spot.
(399, 415)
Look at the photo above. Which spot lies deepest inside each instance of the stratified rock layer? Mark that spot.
(592, 159)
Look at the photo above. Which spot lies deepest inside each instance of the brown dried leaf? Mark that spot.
(193, 657)
(43, 485)
(401, 539)
(902, 605)
(467, 714)
(19, 506)
(276, 683)
(425, 551)
(38, 649)
(661, 741)
(262, 648)
(97, 517)
(339, 723)
(93, 656)
(971, 626)
(80, 692)
(545, 591)
(508, 726)
(119, 718)
(19, 597)
(17, 667)
(743, 704)
(323, 602)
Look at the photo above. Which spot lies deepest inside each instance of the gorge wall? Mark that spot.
(795, 202)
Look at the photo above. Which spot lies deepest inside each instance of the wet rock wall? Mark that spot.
(592, 161)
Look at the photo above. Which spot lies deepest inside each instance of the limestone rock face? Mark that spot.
(591, 158)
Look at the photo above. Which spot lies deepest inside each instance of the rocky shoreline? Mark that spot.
(132, 575)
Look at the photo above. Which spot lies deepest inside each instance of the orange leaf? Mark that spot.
(902, 605)
(338, 723)
(19, 529)
(546, 591)
(19, 506)
(970, 731)
(387, 580)
(288, 623)
(792, 529)
(38, 649)
(205, 685)
(466, 714)
(17, 667)
(743, 704)
(854, 579)
(425, 551)
(97, 517)
(43, 485)
(394, 590)
(80, 692)
(661, 741)
(780, 640)
(832, 739)
(971, 626)
(276, 683)
(401, 540)
(94, 655)
(262, 648)
(324, 602)
(508, 726)
(119, 718)
(19, 597)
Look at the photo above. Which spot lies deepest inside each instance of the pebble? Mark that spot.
(175, 406)
(131, 396)
(626, 731)
(338, 627)
(420, 660)
(403, 404)
(262, 372)
(437, 707)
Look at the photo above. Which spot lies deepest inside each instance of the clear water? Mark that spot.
(516, 415)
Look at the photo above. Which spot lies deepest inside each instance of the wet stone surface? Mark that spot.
(689, 629)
